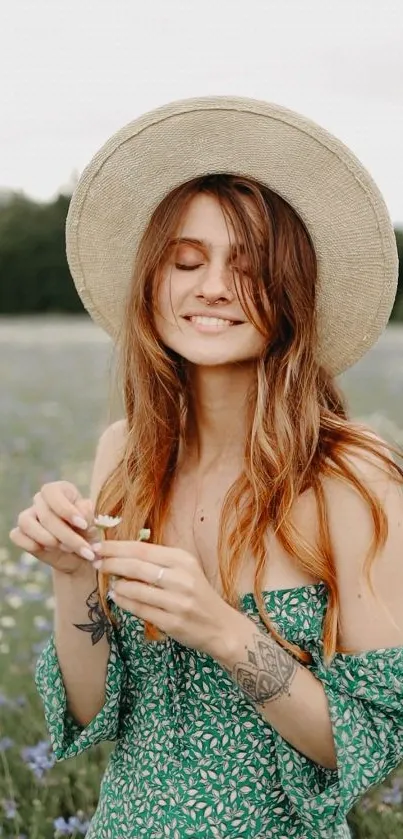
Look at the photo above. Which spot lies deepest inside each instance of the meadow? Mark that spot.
(56, 377)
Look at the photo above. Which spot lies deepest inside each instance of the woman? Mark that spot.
(248, 659)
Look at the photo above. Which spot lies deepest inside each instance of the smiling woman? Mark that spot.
(271, 698)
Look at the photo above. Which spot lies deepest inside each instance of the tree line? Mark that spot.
(34, 274)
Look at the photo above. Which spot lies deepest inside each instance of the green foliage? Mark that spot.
(34, 274)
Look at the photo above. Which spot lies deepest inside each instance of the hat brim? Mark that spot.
(339, 203)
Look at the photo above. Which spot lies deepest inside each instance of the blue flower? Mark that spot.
(394, 795)
(39, 758)
(10, 808)
(62, 826)
(74, 824)
(6, 743)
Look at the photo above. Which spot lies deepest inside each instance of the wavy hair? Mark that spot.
(298, 428)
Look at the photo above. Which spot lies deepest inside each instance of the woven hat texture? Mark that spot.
(316, 173)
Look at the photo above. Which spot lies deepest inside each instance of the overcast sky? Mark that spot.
(74, 71)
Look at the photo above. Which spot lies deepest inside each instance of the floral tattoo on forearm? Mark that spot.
(99, 624)
(267, 671)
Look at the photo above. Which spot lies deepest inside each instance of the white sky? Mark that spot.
(74, 71)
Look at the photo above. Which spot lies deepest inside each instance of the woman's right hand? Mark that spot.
(51, 529)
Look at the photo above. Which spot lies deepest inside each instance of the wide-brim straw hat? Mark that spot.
(334, 195)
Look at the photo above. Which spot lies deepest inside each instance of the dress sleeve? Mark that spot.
(365, 698)
(67, 736)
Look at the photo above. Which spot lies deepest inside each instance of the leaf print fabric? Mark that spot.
(194, 757)
(68, 738)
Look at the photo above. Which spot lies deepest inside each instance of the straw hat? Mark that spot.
(318, 175)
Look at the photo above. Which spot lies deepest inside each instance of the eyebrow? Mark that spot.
(202, 244)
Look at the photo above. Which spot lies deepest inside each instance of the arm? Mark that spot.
(287, 694)
(83, 653)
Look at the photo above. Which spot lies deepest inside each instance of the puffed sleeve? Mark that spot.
(365, 698)
(67, 736)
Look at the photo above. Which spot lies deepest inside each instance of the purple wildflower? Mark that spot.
(62, 826)
(39, 758)
(74, 824)
(6, 743)
(394, 794)
(9, 807)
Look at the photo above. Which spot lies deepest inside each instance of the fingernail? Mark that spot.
(96, 546)
(86, 553)
(80, 522)
(97, 564)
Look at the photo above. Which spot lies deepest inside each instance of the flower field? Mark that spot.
(56, 377)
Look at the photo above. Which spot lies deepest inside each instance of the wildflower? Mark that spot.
(394, 794)
(6, 743)
(144, 534)
(107, 521)
(9, 807)
(74, 824)
(39, 758)
(50, 603)
(7, 621)
(41, 623)
(27, 559)
(14, 601)
(62, 826)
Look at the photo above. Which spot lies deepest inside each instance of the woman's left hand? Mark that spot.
(183, 605)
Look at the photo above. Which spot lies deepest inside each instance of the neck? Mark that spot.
(217, 419)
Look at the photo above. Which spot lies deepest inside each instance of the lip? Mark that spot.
(209, 315)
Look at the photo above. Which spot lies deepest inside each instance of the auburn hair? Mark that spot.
(298, 430)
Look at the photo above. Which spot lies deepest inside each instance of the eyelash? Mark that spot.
(193, 267)
(186, 267)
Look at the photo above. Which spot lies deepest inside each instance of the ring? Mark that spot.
(161, 571)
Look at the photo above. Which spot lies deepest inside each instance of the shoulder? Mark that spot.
(109, 451)
(351, 525)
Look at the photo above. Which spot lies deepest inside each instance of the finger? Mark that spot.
(24, 542)
(131, 567)
(61, 497)
(157, 617)
(61, 531)
(143, 550)
(30, 527)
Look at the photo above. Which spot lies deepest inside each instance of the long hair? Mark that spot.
(298, 428)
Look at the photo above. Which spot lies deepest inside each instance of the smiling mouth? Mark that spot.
(211, 321)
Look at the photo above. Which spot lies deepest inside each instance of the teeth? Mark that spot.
(213, 321)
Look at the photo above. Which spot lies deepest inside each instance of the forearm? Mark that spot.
(286, 694)
(82, 652)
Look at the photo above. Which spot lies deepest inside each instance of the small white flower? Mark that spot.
(7, 621)
(144, 534)
(14, 600)
(50, 603)
(107, 521)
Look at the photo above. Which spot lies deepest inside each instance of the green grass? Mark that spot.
(54, 402)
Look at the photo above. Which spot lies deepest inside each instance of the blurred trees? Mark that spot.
(34, 275)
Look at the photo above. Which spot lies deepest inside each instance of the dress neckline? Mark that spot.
(279, 592)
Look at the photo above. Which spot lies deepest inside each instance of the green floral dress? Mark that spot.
(194, 757)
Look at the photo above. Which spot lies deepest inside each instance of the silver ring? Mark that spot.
(161, 571)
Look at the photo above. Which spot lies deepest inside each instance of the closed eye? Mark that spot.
(187, 267)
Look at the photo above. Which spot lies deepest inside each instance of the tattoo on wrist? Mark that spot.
(267, 671)
(99, 624)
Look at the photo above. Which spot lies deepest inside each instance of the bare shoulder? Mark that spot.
(351, 526)
(109, 451)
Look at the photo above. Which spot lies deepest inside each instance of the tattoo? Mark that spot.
(268, 672)
(99, 625)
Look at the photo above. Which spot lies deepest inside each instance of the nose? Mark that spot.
(216, 281)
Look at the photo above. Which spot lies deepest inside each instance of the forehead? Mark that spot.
(204, 219)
